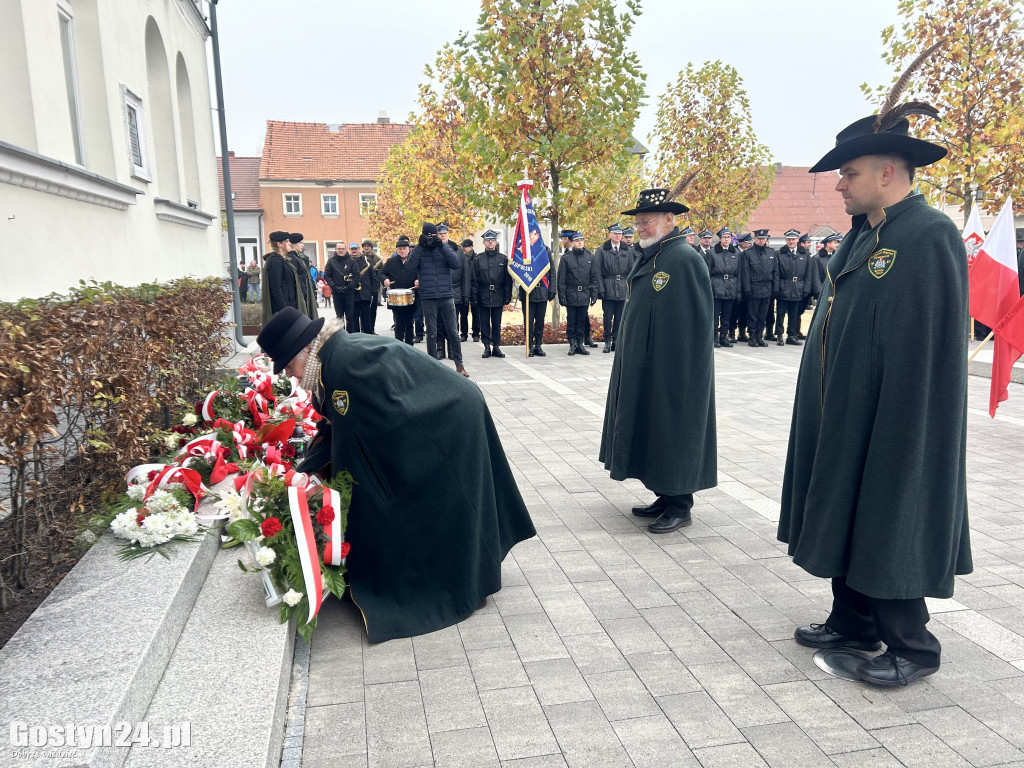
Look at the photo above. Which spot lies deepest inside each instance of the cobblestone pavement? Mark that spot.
(609, 646)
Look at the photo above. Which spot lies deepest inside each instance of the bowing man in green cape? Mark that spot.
(874, 495)
(435, 507)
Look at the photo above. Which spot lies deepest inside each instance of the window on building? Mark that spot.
(67, 49)
(367, 203)
(136, 135)
(329, 204)
(293, 205)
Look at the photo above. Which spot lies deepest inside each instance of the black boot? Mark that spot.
(496, 352)
(572, 346)
(760, 340)
(743, 335)
(613, 345)
(607, 345)
(539, 352)
(590, 343)
(718, 342)
(752, 341)
(793, 342)
(581, 350)
(724, 339)
(487, 352)
(780, 340)
(532, 352)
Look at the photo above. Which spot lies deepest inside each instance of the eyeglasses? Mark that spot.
(645, 223)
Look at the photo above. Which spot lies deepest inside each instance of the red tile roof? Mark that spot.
(801, 200)
(322, 152)
(245, 182)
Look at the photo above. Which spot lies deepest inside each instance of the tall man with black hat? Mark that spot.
(724, 267)
(614, 260)
(307, 285)
(492, 289)
(659, 421)
(579, 285)
(759, 275)
(797, 279)
(874, 495)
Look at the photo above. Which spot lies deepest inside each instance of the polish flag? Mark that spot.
(994, 288)
(974, 235)
(1009, 347)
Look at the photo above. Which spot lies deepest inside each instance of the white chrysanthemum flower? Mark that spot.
(171, 442)
(190, 420)
(265, 556)
(291, 597)
(136, 492)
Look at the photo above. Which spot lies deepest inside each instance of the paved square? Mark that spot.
(609, 646)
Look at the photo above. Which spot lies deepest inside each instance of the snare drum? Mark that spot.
(400, 297)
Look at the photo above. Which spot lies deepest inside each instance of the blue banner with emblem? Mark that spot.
(529, 263)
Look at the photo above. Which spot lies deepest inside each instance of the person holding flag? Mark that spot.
(530, 267)
(874, 495)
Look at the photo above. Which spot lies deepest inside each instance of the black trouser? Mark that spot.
(756, 311)
(576, 323)
(769, 317)
(723, 315)
(417, 316)
(980, 331)
(463, 312)
(790, 310)
(739, 316)
(403, 323)
(900, 624)
(490, 326)
(364, 317)
(476, 312)
(343, 307)
(535, 333)
(440, 317)
(612, 317)
(374, 303)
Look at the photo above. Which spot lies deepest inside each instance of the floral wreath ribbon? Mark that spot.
(298, 503)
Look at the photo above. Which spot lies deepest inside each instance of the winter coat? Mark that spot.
(578, 279)
(401, 274)
(340, 274)
(613, 268)
(724, 268)
(759, 272)
(434, 261)
(797, 278)
(491, 283)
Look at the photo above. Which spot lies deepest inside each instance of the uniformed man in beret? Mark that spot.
(724, 266)
(797, 278)
(579, 285)
(492, 288)
(760, 276)
(614, 260)
(874, 494)
(739, 307)
(659, 421)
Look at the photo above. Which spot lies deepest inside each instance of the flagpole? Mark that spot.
(983, 343)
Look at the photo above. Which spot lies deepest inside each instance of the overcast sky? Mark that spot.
(338, 61)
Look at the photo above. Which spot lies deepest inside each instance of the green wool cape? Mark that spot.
(435, 508)
(875, 485)
(659, 419)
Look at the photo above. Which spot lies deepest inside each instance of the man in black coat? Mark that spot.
(704, 248)
(724, 267)
(759, 276)
(375, 262)
(434, 261)
(579, 285)
(739, 306)
(627, 240)
(467, 305)
(822, 258)
(340, 275)
(543, 292)
(614, 260)
(797, 279)
(367, 280)
(399, 273)
(492, 288)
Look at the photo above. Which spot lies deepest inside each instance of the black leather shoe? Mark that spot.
(497, 352)
(463, 337)
(651, 510)
(780, 341)
(890, 670)
(801, 336)
(793, 342)
(607, 346)
(532, 352)
(487, 352)
(476, 338)
(769, 337)
(761, 342)
(752, 342)
(742, 337)
(580, 350)
(724, 341)
(540, 352)
(613, 345)
(716, 345)
(823, 636)
(671, 519)
(572, 347)
(590, 343)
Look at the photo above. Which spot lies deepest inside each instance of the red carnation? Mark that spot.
(325, 516)
(270, 527)
(142, 515)
(345, 547)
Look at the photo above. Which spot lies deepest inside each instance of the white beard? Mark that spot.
(647, 242)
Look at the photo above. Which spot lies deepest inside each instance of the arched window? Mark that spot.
(187, 129)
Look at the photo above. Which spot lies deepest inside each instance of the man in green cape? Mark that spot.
(435, 507)
(659, 419)
(874, 496)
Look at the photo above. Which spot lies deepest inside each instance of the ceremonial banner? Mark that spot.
(529, 262)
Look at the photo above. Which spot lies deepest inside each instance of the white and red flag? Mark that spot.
(974, 235)
(995, 290)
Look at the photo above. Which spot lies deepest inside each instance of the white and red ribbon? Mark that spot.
(207, 409)
(335, 536)
(308, 558)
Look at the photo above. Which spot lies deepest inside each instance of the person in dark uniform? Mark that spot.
(797, 279)
(543, 292)
(366, 282)
(759, 276)
(280, 278)
(705, 244)
(739, 306)
(614, 260)
(307, 285)
(469, 305)
(874, 495)
(724, 267)
(492, 287)
(689, 235)
(340, 274)
(822, 258)
(579, 285)
(804, 245)
(399, 273)
(443, 347)
(770, 319)
(627, 240)
(375, 266)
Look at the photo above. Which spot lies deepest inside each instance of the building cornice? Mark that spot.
(24, 168)
(194, 16)
(176, 213)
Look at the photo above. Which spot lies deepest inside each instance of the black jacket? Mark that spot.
(282, 283)
(490, 280)
(366, 280)
(724, 266)
(578, 279)
(468, 260)
(613, 267)
(460, 277)
(434, 262)
(541, 293)
(401, 275)
(759, 272)
(821, 259)
(797, 276)
(340, 274)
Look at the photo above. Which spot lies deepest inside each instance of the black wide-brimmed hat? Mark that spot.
(859, 138)
(656, 200)
(286, 334)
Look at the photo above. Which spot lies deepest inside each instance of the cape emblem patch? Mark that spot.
(340, 400)
(660, 280)
(881, 262)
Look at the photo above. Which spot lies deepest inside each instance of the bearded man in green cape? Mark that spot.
(874, 496)
(435, 508)
(659, 420)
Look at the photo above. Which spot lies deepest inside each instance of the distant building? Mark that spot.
(106, 144)
(320, 179)
(800, 200)
(250, 239)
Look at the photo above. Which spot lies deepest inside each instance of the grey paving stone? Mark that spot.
(606, 600)
(470, 748)
(915, 747)
(439, 649)
(868, 758)
(484, 631)
(969, 738)
(335, 677)
(557, 681)
(652, 742)
(333, 731)
(512, 601)
(870, 707)
(621, 694)
(543, 761)
(762, 661)
(497, 668)
(595, 653)
(390, 662)
(396, 729)
(783, 745)
(633, 635)
(450, 699)
(517, 723)
(569, 614)
(699, 720)
(730, 756)
(585, 737)
(985, 632)
(663, 673)
(737, 694)
(534, 637)
(818, 716)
